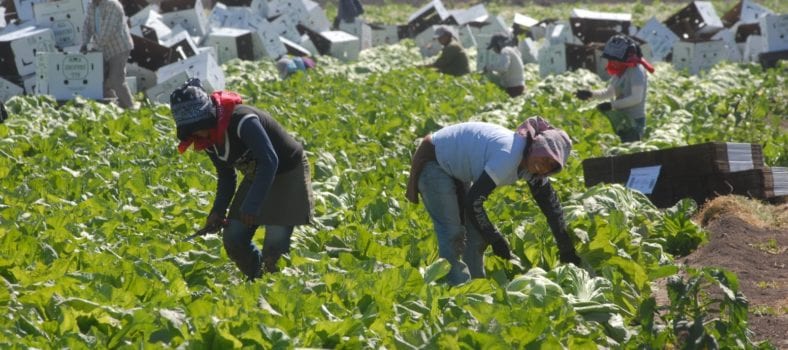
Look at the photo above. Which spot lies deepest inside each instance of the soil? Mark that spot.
(758, 254)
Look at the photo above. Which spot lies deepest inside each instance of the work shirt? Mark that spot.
(256, 145)
(509, 67)
(453, 60)
(106, 23)
(628, 92)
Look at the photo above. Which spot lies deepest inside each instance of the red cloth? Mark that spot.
(225, 102)
(618, 68)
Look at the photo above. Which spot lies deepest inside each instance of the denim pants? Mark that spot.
(460, 244)
(237, 238)
(633, 133)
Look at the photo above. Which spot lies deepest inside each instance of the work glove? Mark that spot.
(583, 94)
(501, 248)
(604, 107)
(215, 220)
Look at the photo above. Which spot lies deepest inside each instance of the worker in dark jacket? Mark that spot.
(275, 191)
(456, 169)
(453, 60)
(347, 11)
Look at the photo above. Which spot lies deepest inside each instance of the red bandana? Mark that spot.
(225, 102)
(618, 68)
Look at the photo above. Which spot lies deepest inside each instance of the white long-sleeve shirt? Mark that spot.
(509, 67)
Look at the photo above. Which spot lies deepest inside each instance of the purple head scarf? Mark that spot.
(547, 141)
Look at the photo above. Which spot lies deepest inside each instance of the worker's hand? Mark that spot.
(214, 220)
(604, 106)
(501, 248)
(583, 94)
(83, 49)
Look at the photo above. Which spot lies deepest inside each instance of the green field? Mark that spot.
(95, 204)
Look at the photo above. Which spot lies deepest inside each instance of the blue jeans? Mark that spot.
(455, 239)
(634, 133)
(237, 238)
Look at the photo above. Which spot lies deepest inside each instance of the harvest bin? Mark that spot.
(700, 171)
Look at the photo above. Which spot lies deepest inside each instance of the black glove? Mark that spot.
(3, 112)
(501, 248)
(583, 94)
(215, 221)
(604, 106)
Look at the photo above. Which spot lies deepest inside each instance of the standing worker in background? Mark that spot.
(628, 87)
(456, 169)
(347, 11)
(276, 190)
(106, 24)
(453, 60)
(509, 66)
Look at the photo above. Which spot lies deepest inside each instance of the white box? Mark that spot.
(529, 51)
(774, 28)
(753, 47)
(490, 26)
(146, 78)
(659, 36)
(465, 36)
(169, 77)
(552, 59)
(9, 89)
(598, 27)
(524, 21)
(231, 43)
(24, 9)
(307, 43)
(149, 13)
(18, 50)
(361, 30)
(131, 82)
(477, 13)
(314, 17)
(484, 57)
(64, 17)
(427, 44)
(259, 8)
(286, 27)
(295, 49)
(746, 11)
(343, 46)
(695, 20)
(266, 38)
(229, 16)
(727, 36)
(188, 14)
(30, 84)
(383, 34)
(66, 75)
(181, 43)
(699, 56)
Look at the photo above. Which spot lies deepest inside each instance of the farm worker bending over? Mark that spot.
(628, 86)
(509, 66)
(276, 188)
(106, 24)
(456, 168)
(289, 66)
(452, 59)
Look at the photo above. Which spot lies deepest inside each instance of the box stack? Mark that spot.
(700, 172)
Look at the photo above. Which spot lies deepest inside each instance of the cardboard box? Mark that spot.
(223, 16)
(522, 24)
(131, 82)
(427, 44)
(552, 59)
(732, 51)
(753, 47)
(431, 14)
(660, 38)
(697, 21)
(149, 54)
(383, 34)
(597, 27)
(66, 75)
(580, 57)
(361, 30)
(29, 83)
(189, 14)
(745, 11)
(266, 38)
(490, 26)
(484, 57)
(9, 89)
(529, 51)
(154, 29)
(698, 56)
(307, 43)
(314, 17)
(169, 77)
(145, 78)
(743, 30)
(259, 8)
(181, 45)
(24, 9)
(295, 49)
(231, 43)
(64, 17)
(465, 36)
(149, 13)
(18, 50)
(342, 45)
(286, 27)
(477, 13)
(774, 29)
